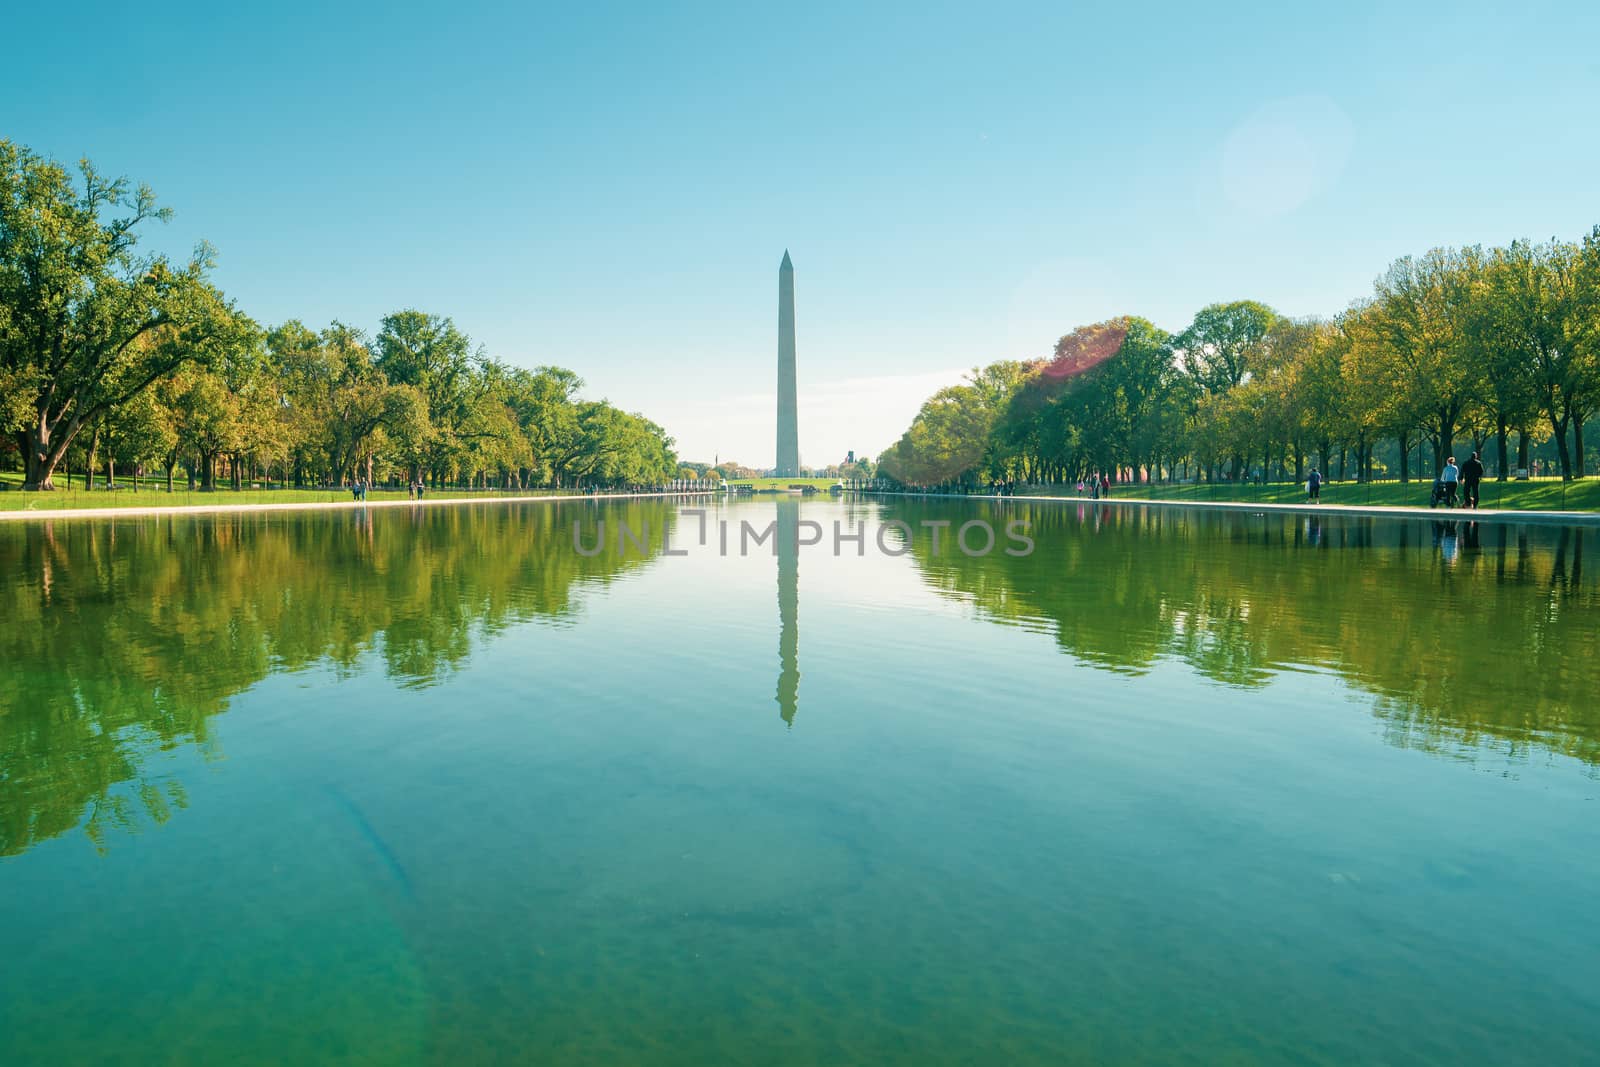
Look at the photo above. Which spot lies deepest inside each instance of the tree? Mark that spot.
(490, 435)
(1319, 392)
(951, 439)
(18, 395)
(89, 324)
(543, 403)
(1533, 296)
(1220, 349)
(207, 420)
(428, 352)
(1287, 424)
(1511, 396)
(613, 447)
(1150, 403)
(306, 376)
(1583, 339)
(1220, 345)
(1420, 316)
(138, 430)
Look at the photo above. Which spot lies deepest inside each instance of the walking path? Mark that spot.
(1551, 518)
(321, 505)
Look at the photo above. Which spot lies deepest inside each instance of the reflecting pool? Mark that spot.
(455, 785)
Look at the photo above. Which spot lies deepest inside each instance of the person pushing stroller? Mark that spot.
(1444, 486)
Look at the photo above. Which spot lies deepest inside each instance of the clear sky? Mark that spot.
(610, 187)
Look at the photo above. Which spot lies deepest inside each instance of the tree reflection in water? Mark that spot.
(1466, 633)
(125, 637)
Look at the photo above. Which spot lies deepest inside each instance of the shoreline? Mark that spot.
(1495, 515)
(156, 510)
(1392, 511)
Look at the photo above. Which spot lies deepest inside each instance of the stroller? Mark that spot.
(1444, 494)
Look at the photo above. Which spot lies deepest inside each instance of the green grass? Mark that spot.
(1544, 494)
(782, 483)
(152, 493)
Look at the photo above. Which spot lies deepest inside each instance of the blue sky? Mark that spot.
(611, 187)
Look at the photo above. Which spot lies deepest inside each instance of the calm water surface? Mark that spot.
(430, 786)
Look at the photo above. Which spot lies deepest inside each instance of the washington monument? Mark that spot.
(788, 420)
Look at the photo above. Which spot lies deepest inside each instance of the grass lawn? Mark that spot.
(152, 494)
(1544, 494)
(782, 483)
(1548, 494)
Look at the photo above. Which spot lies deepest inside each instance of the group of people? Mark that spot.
(1097, 485)
(358, 490)
(1466, 477)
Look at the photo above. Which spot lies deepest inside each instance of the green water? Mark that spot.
(431, 786)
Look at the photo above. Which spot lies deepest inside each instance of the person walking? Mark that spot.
(1450, 478)
(1314, 487)
(1105, 485)
(1471, 475)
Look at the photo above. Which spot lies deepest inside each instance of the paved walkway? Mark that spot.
(1550, 518)
(318, 505)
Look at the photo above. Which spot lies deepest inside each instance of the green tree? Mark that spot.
(207, 413)
(307, 374)
(1545, 309)
(1422, 315)
(544, 401)
(1219, 350)
(1150, 402)
(952, 437)
(136, 431)
(18, 395)
(430, 353)
(88, 323)
(1220, 346)
(1510, 397)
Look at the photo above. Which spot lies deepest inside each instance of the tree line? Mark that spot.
(109, 355)
(1497, 348)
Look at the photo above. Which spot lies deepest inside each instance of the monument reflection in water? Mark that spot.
(788, 549)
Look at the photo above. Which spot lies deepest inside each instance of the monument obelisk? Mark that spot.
(788, 465)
